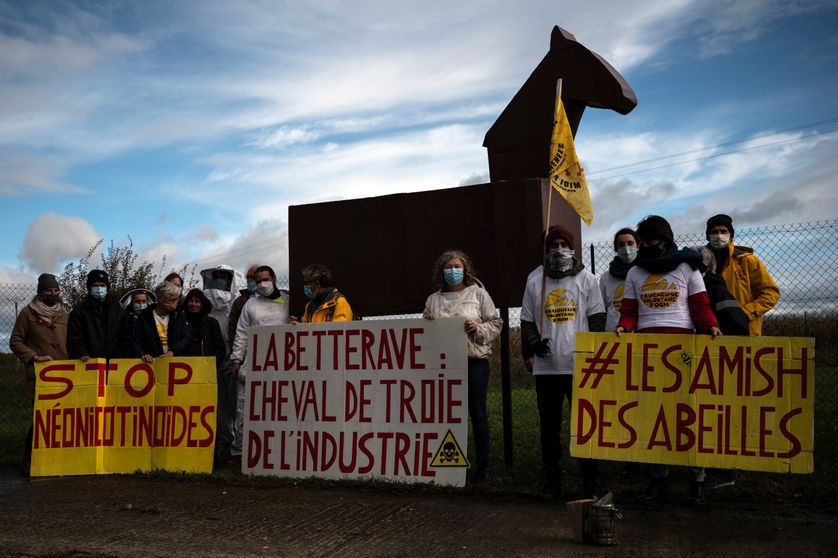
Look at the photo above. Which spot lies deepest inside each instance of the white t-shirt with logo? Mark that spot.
(662, 297)
(567, 304)
(611, 289)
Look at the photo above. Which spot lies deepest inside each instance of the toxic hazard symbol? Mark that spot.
(449, 453)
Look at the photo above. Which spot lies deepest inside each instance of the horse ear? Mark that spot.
(560, 38)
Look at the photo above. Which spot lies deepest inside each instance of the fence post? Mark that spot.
(593, 259)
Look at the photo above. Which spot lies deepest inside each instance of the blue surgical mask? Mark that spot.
(140, 306)
(251, 286)
(627, 253)
(99, 293)
(309, 292)
(453, 275)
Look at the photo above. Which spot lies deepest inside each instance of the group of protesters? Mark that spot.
(165, 322)
(723, 289)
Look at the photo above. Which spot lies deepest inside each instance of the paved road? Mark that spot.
(167, 516)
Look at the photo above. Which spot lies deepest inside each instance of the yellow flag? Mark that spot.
(566, 173)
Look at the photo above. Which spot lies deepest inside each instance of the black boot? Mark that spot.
(697, 492)
(656, 491)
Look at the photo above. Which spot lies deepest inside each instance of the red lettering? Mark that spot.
(174, 380)
(676, 383)
(44, 376)
(795, 442)
(141, 367)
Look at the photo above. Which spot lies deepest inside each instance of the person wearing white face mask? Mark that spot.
(612, 284)
(568, 296)
(97, 326)
(268, 307)
(745, 275)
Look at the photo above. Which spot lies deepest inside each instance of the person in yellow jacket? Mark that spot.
(745, 275)
(326, 303)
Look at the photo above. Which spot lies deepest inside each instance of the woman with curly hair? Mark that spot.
(461, 295)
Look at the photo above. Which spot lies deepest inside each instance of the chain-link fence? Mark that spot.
(802, 259)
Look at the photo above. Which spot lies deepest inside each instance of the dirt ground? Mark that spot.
(172, 516)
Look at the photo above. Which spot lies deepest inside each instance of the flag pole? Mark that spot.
(549, 214)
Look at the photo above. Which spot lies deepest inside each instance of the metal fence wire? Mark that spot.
(802, 259)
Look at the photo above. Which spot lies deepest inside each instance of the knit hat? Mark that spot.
(47, 281)
(98, 276)
(720, 220)
(558, 231)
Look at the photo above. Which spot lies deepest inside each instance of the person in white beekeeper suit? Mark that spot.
(220, 286)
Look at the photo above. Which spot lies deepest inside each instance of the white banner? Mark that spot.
(358, 400)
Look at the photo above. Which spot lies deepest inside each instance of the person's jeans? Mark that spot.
(478, 388)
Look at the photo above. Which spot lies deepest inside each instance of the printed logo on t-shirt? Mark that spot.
(618, 296)
(657, 292)
(560, 307)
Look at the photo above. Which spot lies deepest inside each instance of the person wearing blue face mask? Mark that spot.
(461, 295)
(612, 284)
(238, 304)
(326, 303)
(97, 327)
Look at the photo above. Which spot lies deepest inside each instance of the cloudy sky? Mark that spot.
(192, 126)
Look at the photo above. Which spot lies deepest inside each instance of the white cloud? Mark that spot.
(52, 239)
(285, 135)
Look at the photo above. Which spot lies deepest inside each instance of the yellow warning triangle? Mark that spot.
(449, 453)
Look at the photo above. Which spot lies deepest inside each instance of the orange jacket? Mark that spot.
(335, 308)
(750, 284)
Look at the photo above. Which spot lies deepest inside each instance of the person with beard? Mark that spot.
(206, 340)
(97, 327)
(268, 307)
(674, 300)
(744, 274)
(39, 335)
(162, 330)
(611, 284)
(563, 298)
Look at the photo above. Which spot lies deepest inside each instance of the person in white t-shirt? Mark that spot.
(569, 297)
(612, 283)
(665, 293)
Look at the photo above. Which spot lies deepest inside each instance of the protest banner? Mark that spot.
(729, 402)
(123, 415)
(358, 400)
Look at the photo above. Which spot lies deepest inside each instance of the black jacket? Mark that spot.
(204, 331)
(732, 319)
(97, 329)
(146, 341)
